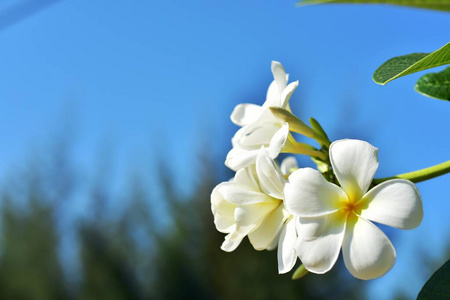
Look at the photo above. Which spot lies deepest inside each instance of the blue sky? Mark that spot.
(163, 75)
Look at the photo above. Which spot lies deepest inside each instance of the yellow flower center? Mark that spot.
(351, 206)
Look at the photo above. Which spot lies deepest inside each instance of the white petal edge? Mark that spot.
(246, 177)
(286, 247)
(274, 243)
(222, 210)
(310, 228)
(232, 241)
(255, 135)
(354, 163)
(238, 158)
(253, 214)
(262, 237)
(320, 254)
(269, 174)
(287, 93)
(245, 114)
(308, 194)
(278, 141)
(396, 203)
(272, 97)
(288, 164)
(367, 251)
(279, 75)
(238, 195)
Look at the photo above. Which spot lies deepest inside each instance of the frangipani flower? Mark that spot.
(251, 204)
(259, 125)
(286, 244)
(333, 217)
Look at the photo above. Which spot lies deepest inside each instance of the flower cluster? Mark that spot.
(305, 213)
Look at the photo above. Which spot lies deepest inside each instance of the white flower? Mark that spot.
(333, 217)
(286, 244)
(259, 125)
(252, 204)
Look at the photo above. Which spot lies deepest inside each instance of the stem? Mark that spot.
(323, 141)
(297, 125)
(301, 149)
(421, 175)
(294, 147)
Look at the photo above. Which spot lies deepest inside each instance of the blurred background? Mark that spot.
(114, 121)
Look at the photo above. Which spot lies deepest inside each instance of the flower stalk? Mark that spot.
(300, 272)
(297, 125)
(302, 148)
(420, 175)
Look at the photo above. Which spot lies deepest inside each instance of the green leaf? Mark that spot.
(438, 286)
(407, 64)
(435, 85)
(429, 4)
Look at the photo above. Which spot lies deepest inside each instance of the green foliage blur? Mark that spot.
(128, 254)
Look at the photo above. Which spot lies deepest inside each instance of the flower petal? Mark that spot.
(320, 254)
(268, 117)
(396, 203)
(223, 223)
(253, 214)
(218, 203)
(310, 228)
(279, 74)
(354, 163)
(238, 158)
(270, 178)
(287, 93)
(223, 211)
(239, 195)
(286, 250)
(367, 251)
(232, 241)
(273, 96)
(256, 135)
(245, 114)
(246, 178)
(278, 140)
(308, 194)
(274, 243)
(288, 164)
(262, 237)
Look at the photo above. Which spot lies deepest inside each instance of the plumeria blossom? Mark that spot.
(251, 204)
(259, 125)
(333, 217)
(286, 244)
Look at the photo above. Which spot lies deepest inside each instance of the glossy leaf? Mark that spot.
(407, 64)
(429, 4)
(435, 85)
(438, 286)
